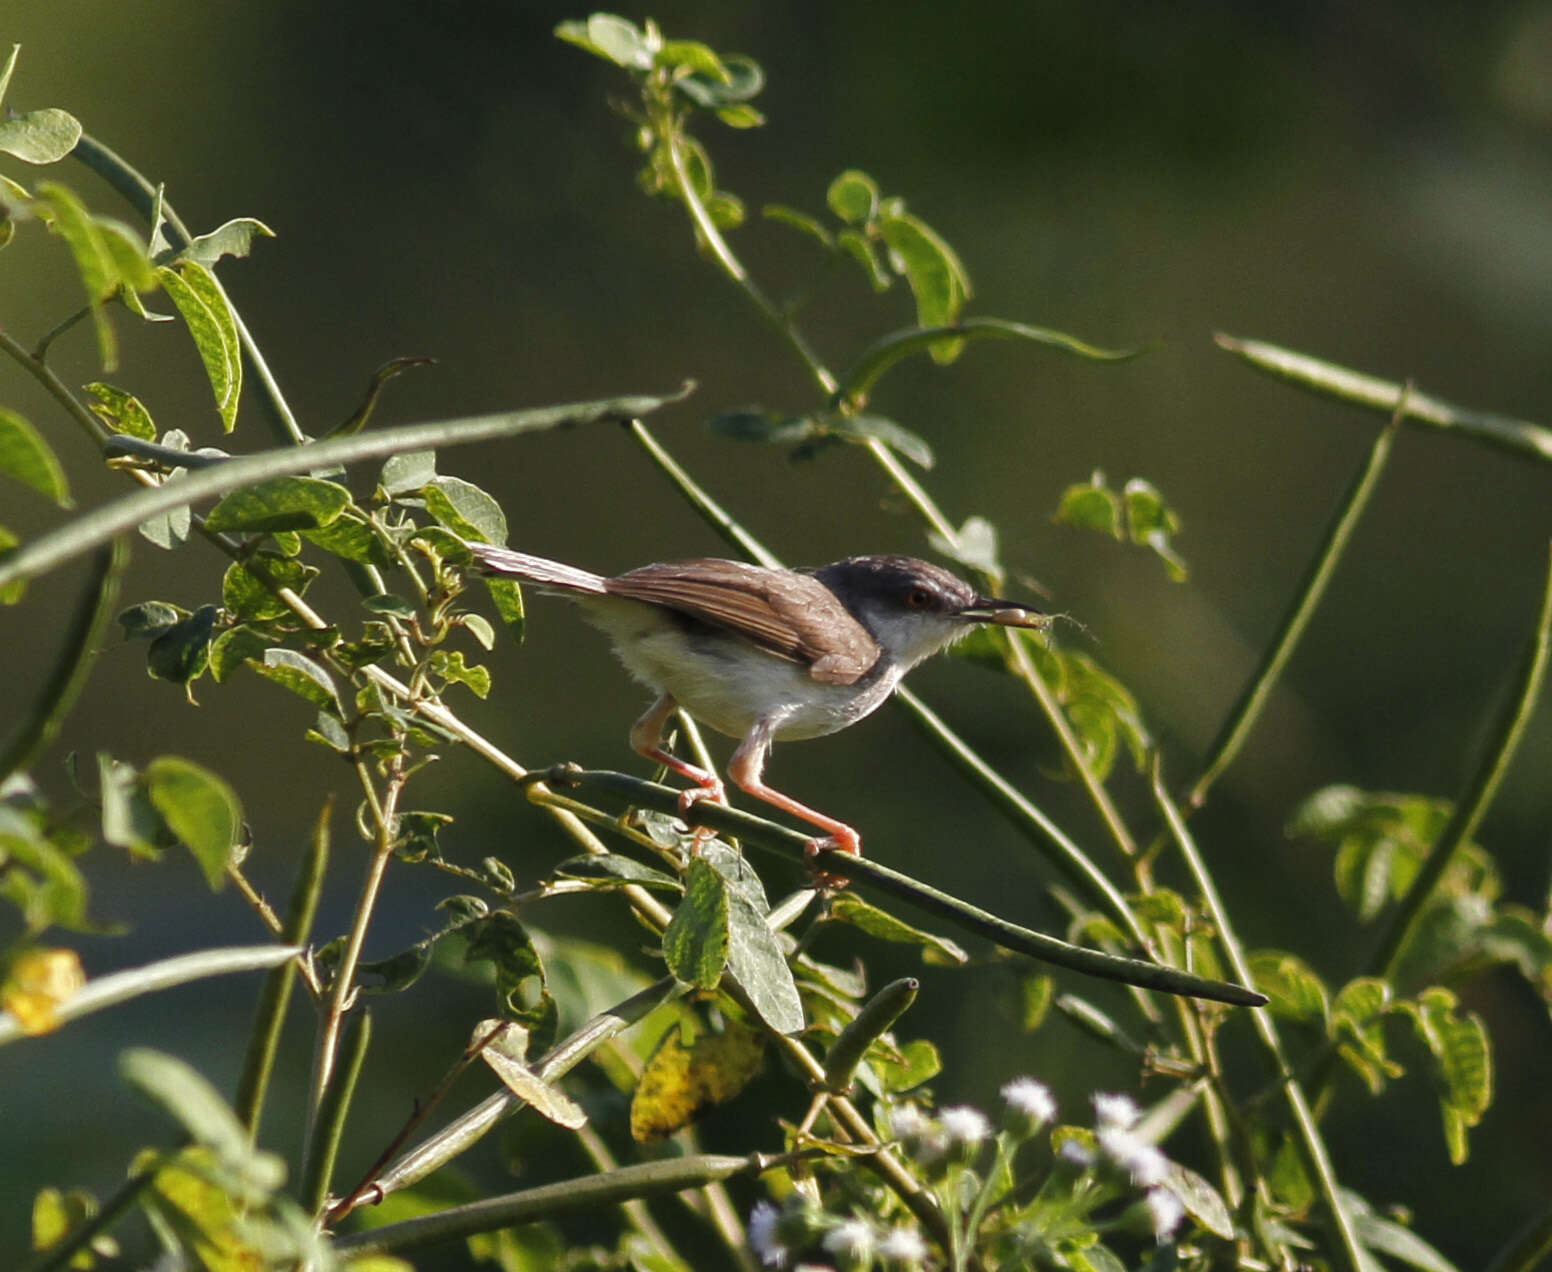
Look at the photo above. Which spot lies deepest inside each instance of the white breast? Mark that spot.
(727, 683)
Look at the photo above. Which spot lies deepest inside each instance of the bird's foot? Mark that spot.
(845, 839)
(711, 790)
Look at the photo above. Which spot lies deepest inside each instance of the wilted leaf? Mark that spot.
(680, 1082)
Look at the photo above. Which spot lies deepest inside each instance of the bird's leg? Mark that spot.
(646, 738)
(745, 767)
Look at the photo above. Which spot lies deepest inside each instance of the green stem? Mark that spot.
(666, 124)
(115, 1208)
(793, 846)
(1479, 792)
(1519, 437)
(80, 642)
(141, 195)
(330, 1125)
(54, 386)
(1254, 697)
(1266, 1029)
(590, 1192)
(270, 1014)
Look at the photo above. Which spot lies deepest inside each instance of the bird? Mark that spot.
(765, 654)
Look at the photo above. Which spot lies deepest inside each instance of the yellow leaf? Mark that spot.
(40, 981)
(680, 1082)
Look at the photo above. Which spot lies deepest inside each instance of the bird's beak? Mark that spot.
(1005, 613)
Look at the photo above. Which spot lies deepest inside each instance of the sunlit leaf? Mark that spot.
(695, 942)
(27, 458)
(40, 136)
(200, 808)
(284, 503)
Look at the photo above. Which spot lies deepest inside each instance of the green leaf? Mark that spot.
(741, 79)
(351, 539)
(121, 411)
(282, 503)
(755, 958)
(740, 115)
(615, 869)
(149, 619)
(1391, 1238)
(610, 37)
(407, 473)
(1202, 1201)
(752, 424)
(937, 279)
(68, 217)
(131, 264)
(129, 819)
(27, 458)
(9, 69)
(692, 55)
(508, 599)
(40, 136)
(1153, 524)
(181, 653)
(500, 940)
(861, 428)
(415, 835)
(465, 509)
(848, 908)
(233, 648)
(235, 238)
(199, 1109)
(247, 596)
(1463, 1058)
(450, 665)
(853, 196)
(200, 808)
(695, 942)
(199, 299)
(301, 675)
(861, 249)
(1358, 1027)
(1090, 506)
(398, 971)
(1297, 993)
(799, 221)
(974, 545)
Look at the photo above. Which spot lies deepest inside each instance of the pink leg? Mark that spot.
(646, 738)
(745, 768)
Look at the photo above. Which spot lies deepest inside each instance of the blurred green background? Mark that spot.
(1368, 183)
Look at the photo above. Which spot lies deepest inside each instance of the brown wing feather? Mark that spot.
(800, 620)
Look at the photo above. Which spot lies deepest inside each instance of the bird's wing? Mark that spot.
(800, 620)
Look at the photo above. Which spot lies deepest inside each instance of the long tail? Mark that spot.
(535, 569)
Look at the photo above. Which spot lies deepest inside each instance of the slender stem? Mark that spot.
(141, 195)
(666, 123)
(343, 988)
(80, 642)
(1254, 697)
(1480, 791)
(1059, 849)
(270, 1014)
(1354, 387)
(329, 1126)
(1266, 1029)
(44, 375)
(792, 845)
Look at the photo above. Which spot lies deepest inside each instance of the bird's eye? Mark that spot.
(918, 598)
